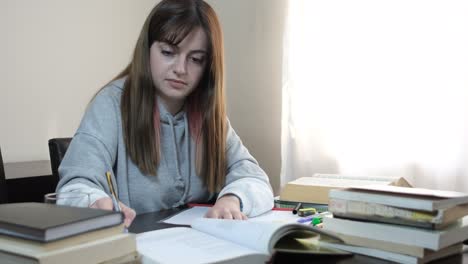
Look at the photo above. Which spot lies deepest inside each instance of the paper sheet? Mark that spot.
(186, 217)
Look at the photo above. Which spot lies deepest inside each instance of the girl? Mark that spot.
(160, 126)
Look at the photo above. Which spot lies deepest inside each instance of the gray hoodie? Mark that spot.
(98, 146)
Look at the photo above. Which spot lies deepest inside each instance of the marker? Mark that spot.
(307, 211)
(296, 209)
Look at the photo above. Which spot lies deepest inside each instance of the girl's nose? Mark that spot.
(180, 67)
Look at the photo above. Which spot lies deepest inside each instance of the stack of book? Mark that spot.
(45, 233)
(405, 225)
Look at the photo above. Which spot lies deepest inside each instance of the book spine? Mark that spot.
(352, 208)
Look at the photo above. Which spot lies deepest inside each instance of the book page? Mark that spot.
(186, 245)
(254, 235)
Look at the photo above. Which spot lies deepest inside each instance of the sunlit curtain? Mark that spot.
(377, 88)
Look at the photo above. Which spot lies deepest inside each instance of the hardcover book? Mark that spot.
(120, 248)
(411, 198)
(376, 212)
(48, 222)
(400, 258)
(405, 235)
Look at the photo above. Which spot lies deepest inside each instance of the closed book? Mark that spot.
(399, 258)
(315, 189)
(26, 246)
(376, 212)
(414, 251)
(411, 198)
(100, 250)
(405, 235)
(48, 222)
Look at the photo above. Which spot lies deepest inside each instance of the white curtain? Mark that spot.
(377, 88)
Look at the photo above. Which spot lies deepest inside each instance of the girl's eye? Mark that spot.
(198, 60)
(167, 52)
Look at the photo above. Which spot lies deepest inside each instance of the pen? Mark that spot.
(113, 195)
(298, 206)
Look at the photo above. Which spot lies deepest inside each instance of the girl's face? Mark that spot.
(177, 70)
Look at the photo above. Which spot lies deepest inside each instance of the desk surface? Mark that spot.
(150, 221)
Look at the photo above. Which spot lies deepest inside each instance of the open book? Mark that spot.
(233, 241)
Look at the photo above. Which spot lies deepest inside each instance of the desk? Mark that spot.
(149, 221)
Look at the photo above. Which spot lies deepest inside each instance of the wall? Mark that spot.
(253, 42)
(57, 54)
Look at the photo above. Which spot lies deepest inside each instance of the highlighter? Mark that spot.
(307, 211)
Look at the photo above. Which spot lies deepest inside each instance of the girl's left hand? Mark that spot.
(226, 207)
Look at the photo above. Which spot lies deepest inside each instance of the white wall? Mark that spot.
(253, 42)
(55, 54)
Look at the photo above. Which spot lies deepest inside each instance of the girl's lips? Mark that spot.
(176, 84)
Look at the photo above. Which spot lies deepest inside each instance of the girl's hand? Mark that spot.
(106, 204)
(227, 207)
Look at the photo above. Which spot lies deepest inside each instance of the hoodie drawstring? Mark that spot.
(187, 153)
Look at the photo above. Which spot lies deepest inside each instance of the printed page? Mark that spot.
(254, 235)
(186, 245)
(187, 217)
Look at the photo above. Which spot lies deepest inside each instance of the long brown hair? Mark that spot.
(171, 21)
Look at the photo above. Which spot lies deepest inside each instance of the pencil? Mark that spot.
(115, 202)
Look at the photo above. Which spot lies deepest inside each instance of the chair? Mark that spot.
(57, 149)
(3, 184)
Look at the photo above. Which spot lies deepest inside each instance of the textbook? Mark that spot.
(48, 222)
(93, 251)
(399, 258)
(20, 245)
(405, 235)
(376, 212)
(415, 251)
(315, 189)
(233, 241)
(411, 198)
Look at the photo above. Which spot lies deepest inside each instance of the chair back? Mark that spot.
(57, 149)
(3, 184)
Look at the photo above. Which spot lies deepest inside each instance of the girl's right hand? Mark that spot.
(106, 204)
